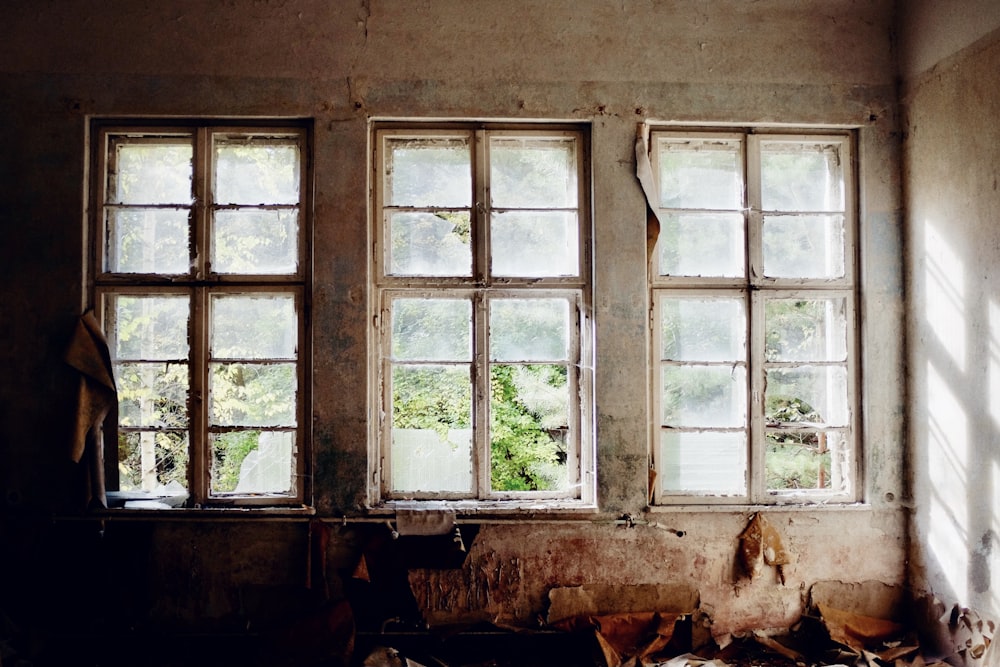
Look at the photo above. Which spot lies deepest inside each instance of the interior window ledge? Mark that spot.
(479, 511)
(774, 507)
(218, 513)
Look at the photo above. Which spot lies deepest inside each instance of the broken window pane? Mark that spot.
(245, 394)
(437, 243)
(805, 329)
(255, 241)
(151, 172)
(702, 244)
(148, 460)
(431, 172)
(253, 462)
(529, 329)
(803, 246)
(700, 174)
(256, 171)
(812, 394)
(806, 460)
(431, 447)
(529, 423)
(152, 394)
(703, 462)
(801, 176)
(533, 173)
(703, 329)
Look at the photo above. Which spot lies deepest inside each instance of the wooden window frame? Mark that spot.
(201, 283)
(752, 289)
(480, 288)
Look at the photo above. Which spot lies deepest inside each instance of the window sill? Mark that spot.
(775, 507)
(479, 511)
(290, 513)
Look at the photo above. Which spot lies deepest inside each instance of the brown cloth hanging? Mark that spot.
(96, 406)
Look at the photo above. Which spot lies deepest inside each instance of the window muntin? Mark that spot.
(753, 307)
(483, 294)
(201, 286)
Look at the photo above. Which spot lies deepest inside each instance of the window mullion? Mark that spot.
(199, 374)
(201, 237)
(481, 386)
(756, 438)
(754, 216)
(481, 209)
(480, 313)
(199, 401)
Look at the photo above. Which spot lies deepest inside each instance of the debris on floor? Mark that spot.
(848, 625)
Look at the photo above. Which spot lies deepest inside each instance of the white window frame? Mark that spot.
(201, 283)
(752, 289)
(480, 288)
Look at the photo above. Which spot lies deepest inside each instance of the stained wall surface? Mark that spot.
(610, 64)
(953, 246)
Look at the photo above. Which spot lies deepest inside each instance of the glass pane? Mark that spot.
(148, 327)
(705, 462)
(148, 241)
(430, 244)
(697, 329)
(431, 428)
(801, 176)
(431, 172)
(706, 174)
(152, 394)
(812, 394)
(535, 244)
(253, 462)
(803, 246)
(150, 173)
(255, 241)
(711, 396)
(254, 327)
(806, 460)
(252, 394)
(533, 173)
(262, 171)
(702, 244)
(529, 329)
(148, 460)
(805, 329)
(529, 425)
(432, 329)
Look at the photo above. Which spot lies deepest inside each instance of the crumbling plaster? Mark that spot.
(610, 64)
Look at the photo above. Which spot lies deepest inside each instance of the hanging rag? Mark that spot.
(96, 405)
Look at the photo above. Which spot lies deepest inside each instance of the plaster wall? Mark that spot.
(930, 31)
(952, 203)
(612, 65)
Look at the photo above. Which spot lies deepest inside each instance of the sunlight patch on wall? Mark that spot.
(993, 366)
(945, 295)
(947, 475)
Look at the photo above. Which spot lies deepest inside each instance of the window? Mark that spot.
(753, 318)
(482, 291)
(201, 278)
